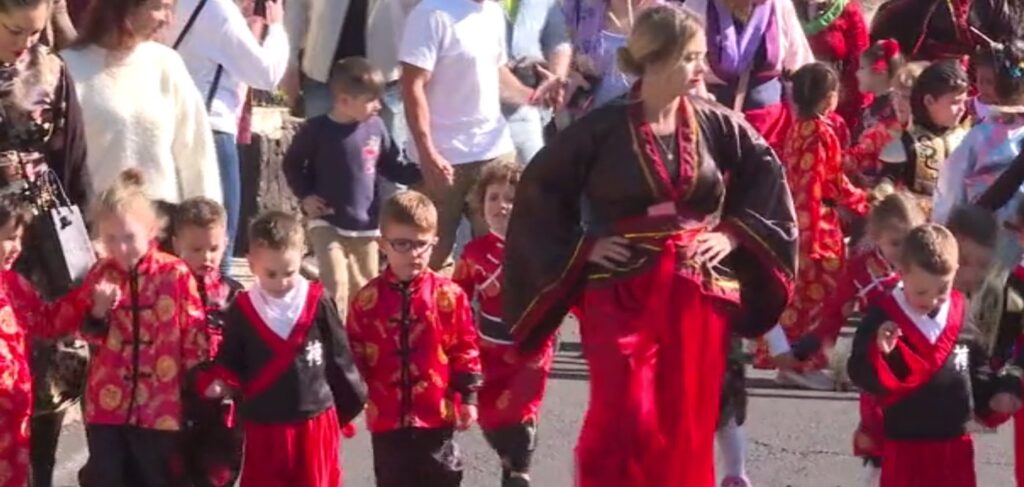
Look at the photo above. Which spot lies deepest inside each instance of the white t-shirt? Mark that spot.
(462, 44)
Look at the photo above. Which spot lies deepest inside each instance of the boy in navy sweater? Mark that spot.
(333, 165)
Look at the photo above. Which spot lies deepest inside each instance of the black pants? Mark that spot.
(126, 456)
(515, 446)
(416, 457)
(43, 447)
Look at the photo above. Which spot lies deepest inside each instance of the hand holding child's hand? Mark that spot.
(1005, 403)
(316, 207)
(468, 414)
(104, 295)
(888, 335)
(215, 390)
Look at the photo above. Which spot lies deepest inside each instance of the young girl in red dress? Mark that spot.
(24, 315)
(514, 381)
(813, 160)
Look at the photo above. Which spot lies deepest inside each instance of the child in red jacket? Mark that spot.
(212, 453)
(514, 383)
(413, 337)
(24, 315)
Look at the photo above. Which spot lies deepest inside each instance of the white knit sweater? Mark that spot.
(144, 111)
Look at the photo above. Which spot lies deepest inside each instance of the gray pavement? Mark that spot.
(796, 438)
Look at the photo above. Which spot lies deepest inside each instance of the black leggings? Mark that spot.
(43, 453)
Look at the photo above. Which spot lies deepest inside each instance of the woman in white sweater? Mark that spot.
(139, 104)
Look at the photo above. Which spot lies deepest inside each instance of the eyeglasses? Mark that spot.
(407, 245)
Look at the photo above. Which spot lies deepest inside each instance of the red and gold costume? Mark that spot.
(514, 381)
(812, 156)
(415, 343)
(655, 328)
(838, 36)
(23, 315)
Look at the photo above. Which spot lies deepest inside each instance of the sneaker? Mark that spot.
(734, 481)
(815, 380)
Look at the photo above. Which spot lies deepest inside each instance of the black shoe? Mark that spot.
(515, 482)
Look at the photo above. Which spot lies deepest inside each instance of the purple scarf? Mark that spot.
(731, 53)
(585, 19)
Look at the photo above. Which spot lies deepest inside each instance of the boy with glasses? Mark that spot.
(414, 340)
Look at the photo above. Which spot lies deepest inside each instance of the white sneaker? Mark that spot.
(815, 380)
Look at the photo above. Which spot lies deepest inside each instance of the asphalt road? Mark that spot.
(796, 438)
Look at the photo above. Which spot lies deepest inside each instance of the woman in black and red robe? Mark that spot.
(691, 235)
(948, 29)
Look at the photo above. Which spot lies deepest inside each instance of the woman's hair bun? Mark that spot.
(131, 178)
(628, 63)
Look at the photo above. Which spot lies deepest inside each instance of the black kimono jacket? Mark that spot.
(928, 391)
(727, 178)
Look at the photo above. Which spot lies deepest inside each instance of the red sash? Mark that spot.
(284, 350)
(923, 358)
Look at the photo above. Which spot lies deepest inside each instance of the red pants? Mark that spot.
(304, 454)
(656, 350)
(945, 463)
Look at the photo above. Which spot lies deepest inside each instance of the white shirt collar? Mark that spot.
(280, 314)
(930, 327)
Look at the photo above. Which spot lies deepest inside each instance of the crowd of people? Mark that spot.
(699, 182)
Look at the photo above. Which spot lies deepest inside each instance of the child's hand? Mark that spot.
(468, 414)
(104, 295)
(1004, 403)
(215, 390)
(863, 441)
(888, 335)
(786, 361)
(316, 207)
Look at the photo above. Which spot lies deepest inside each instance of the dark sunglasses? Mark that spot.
(407, 245)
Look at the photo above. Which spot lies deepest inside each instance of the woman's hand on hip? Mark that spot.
(609, 251)
(710, 248)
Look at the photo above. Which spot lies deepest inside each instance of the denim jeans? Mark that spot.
(526, 124)
(316, 96)
(231, 183)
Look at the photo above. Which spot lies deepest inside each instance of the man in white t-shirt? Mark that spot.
(454, 78)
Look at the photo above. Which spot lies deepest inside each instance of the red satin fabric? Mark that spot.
(656, 348)
(945, 463)
(1018, 447)
(301, 454)
(772, 122)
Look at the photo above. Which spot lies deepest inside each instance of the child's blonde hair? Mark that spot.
(126, 196)
(410, 208)
(907, 75)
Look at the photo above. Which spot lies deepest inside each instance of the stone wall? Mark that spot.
(263, 183)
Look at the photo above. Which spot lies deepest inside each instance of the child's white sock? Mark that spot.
(734, 449)
(872, 475)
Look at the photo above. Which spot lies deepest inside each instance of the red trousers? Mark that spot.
(304, 454)
(1018, 447)
(945, 463)
(15, 417)
(656, 349)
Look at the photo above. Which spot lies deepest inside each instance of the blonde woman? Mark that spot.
(691, 235)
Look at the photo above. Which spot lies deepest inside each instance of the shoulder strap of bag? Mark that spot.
(188, 25)
(220, 68)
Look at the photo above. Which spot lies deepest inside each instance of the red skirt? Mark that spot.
(945, 463)
(656, 348)
(871, 425)
(772, 122)
(304, 454)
